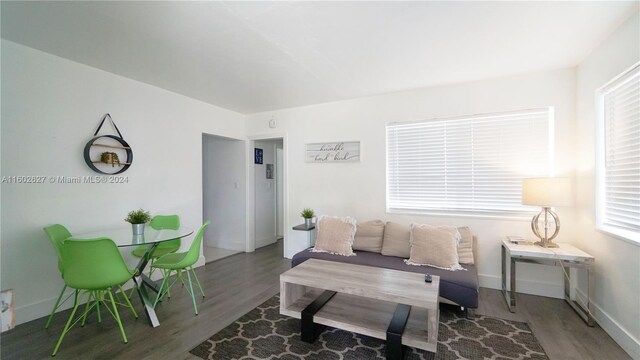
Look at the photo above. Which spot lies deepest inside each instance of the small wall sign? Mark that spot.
(333, 152)
(257, 156)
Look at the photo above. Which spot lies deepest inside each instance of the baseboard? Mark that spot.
(524, 286)
(619, 334)
(42, 308)
(38, 309)
(228, 245)
(201, 262)
(264, 242)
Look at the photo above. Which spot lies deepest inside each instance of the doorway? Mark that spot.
(223, 196)
(268, 200)
(266, 224)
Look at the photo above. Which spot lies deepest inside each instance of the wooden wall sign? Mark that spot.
(333, 152)
(108, 154)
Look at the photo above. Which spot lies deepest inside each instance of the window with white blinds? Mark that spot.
(470, 164)
(618, 186)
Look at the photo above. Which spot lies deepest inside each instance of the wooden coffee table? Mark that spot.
(396, 306)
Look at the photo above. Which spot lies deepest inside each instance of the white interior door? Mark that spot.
(265, 194)
(223, 195)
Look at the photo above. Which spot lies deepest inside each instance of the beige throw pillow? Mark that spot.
(396, 240)
(434, 246)
(465, 248)
(335, 235)
(369, 236)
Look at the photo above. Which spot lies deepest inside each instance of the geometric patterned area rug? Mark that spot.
(263, 333)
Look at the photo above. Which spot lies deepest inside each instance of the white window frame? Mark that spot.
(624, 234)
(524, 215)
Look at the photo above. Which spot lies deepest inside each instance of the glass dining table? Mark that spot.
(123, 236)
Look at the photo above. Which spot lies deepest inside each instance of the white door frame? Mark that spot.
(250, 241)
(279, 190)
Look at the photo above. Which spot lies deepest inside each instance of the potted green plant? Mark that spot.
(307, 214)
(137, 219)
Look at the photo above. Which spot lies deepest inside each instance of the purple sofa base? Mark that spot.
(460, 287)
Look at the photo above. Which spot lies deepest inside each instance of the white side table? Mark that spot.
(566, 255)
(311, 239)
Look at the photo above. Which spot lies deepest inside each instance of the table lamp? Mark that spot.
(546, 192)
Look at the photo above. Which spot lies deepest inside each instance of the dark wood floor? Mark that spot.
(239, 283)
(561, 332)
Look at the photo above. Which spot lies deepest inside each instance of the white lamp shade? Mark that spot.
(546, 192)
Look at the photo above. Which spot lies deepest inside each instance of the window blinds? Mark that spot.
(620, 185)
(467, 164)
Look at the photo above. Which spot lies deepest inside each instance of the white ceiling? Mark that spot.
(258, 56)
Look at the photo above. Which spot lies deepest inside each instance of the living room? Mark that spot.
(312, 73)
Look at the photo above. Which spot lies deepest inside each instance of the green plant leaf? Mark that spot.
(139, 216)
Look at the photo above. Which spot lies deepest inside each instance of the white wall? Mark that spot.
(616, 296)
(223, 189)
(358, 189)
(265, 196)
(50, 109)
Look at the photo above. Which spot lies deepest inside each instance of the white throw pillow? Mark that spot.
(369, 236)
(434, 246)
(335, 235)
(396, 240)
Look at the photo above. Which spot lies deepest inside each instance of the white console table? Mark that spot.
(566, 255)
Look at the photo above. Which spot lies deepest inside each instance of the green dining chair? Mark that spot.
(96, 267)
(57, 235)
(160, 222)
(179, 262)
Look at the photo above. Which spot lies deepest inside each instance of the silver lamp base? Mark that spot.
(548, 244)
(545, 239)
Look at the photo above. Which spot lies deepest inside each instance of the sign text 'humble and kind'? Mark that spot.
(333, 152)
